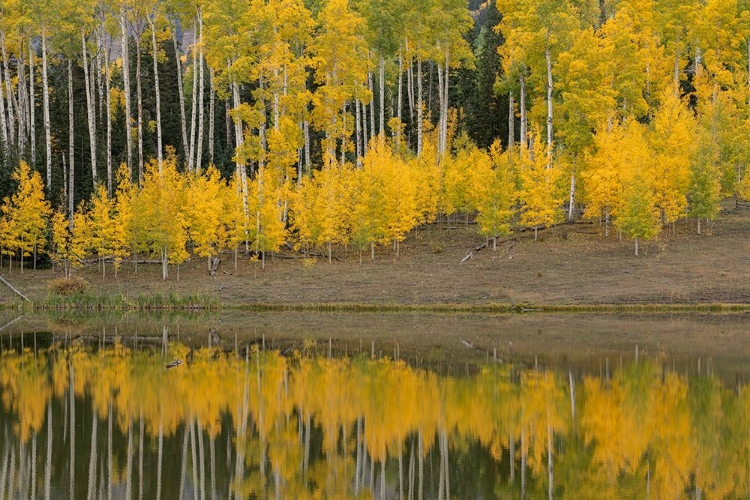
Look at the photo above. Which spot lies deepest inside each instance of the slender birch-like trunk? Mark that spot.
(240, 164)
(139, 102)
(90, 111)
(420, 106)
(108, 111)
(126, 85)
(45, 97)
(382, 98)
(358, 132)
(72, 428)
(48, 463)
(181, 92)
(364, 128)
(445, 99)
(32, 106)
(9, 94)
(372, 104)
(91, 495)
(155, 49)
(548, 59)
(201, 86)
(194, 109)
(71, 143)
(4, 122)
(211, 115)
(511, 121)
(524, 123)
(23, 103)
(399, 106)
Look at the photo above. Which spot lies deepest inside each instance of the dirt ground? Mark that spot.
(569, 264)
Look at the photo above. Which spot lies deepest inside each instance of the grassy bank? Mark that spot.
(574, 268)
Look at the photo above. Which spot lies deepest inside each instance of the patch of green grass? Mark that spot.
(88, 301)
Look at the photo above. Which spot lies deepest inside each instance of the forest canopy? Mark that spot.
(173, 128)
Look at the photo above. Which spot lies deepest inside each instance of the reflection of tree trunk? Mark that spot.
(129, 466)
(445, 433)
(550, 467)
(109, 451)
(92, 459)
(201, 457)
(523, 462)
(382, 476)
(358, 463)
(194, 453)
(420, 457)
(572, 394)
(12, 473)
(4, 467)
(400, 470)
(48, 465)
(512, 446)
(307, 445)
(159, 459)
(72, 432)
(411, 473)
(183, 469)
(33, 466)
(212, 449)
(141, 432)
(372, 475)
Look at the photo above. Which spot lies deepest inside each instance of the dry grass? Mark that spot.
(570, 266)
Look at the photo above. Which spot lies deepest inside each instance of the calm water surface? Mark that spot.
(483, 407)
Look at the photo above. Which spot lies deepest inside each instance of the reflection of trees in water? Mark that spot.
(299, 427)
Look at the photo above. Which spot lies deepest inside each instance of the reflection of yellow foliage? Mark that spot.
(640, 422)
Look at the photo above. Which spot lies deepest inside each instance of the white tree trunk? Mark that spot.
(71, 144)
(23, 103)
(108, 111)
(548, 59)
(139, 102)
(155, 49)
(32, 105)
(524, 121)
(239, 141)
(399, 107)
(420, 106)
(9, 95)
(126, 85)
(181, 93)
(4, 123)
(211, 115)
(444, 111)
(306, 131)
(201, 86)
(572, 200)
(364, 128)
(372, 104)
(511, 121)
(358, 132)
(382, 97)
(90, 111)
(194, 106)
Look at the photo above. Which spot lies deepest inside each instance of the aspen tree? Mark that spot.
(636, 213)
(540, 192)
(26, 212)
(498, 196)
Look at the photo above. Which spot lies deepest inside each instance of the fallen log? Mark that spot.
(24, 297)
(483, 246)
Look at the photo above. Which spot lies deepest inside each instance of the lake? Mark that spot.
(383, 406)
